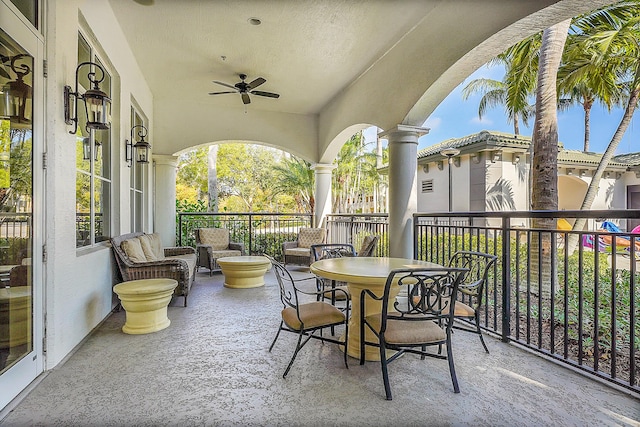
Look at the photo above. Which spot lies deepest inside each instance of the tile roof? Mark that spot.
(493, 140)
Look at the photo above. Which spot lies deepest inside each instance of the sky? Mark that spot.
(455, 118)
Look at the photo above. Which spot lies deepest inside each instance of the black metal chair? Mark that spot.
(306, 318)
(423, 320)
(326, 251)
(472, 289)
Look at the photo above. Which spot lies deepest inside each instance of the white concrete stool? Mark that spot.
(145, 302)
(244, 271)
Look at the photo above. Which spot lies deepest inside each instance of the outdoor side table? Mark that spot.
(145, 303)
(244, 271)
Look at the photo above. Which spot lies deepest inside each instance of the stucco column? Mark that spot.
(322, 191)
(403, 200)
(165, 198)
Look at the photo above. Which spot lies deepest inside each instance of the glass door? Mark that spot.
(21, 289)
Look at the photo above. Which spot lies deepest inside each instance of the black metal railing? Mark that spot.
(353, 228)
(259, 232)
(15, 237)
(570, 295)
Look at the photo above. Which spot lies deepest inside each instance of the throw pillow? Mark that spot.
(218, 238)
(310, 236)
(152, 247)
(133, 249)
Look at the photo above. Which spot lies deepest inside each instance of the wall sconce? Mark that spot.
(607, 174)
(440, 164)
(583, 172)
(425, 168)
(569, 171)
(86, 148)
(16, 96)
(495, 156)
(141, 147)
(516, 159)
(97, 104)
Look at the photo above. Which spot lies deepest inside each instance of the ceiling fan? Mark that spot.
(244, 89)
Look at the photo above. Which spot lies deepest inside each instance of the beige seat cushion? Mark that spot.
(461, 310)
(218, 238)
(310, 236)
(189, 258)
(298, 252)
(408, 332)
(152, 246)
(133, 249)
(222, 254)
(313, 315)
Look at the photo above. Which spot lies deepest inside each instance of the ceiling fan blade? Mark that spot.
(225, 84)
(257, 82)
(220, 93)
(267, 94)
(245, 98)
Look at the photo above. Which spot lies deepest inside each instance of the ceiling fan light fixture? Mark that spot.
(254, 21)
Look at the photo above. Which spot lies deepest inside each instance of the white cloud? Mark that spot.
(433, 123)
(481, 121)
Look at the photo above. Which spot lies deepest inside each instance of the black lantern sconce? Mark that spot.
(86, 148)
(97, 104)
(16, 96)
(140, 149)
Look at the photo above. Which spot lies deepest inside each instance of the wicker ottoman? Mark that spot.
(145, 302)
(244, 271)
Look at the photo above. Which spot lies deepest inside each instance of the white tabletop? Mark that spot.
(364, 270)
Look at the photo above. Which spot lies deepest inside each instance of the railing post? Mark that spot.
(250, 234)
(506, 279)
(179, 228)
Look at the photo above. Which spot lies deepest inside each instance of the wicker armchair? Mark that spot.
(299, 251)
(214, 243)
(369, 244)
(177, 263)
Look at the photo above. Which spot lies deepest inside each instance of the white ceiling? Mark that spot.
(335, 63)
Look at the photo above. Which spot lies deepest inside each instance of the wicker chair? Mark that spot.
(214, 243)
(369, 244)
(299, 251)
(179, 263)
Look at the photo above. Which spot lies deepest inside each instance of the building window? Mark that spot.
(427, 186)
(136, 189)
(93, 166)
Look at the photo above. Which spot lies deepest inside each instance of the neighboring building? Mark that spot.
(491, 173)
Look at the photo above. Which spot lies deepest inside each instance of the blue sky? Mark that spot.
(455, 118)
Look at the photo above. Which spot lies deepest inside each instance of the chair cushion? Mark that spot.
(152, 247)
(222, 254)
(218, 238)
(339, 296)
(133, 249)
(313, 315)
(189, 258)
(407, 332)
(461, 310)
(310, 236)
(298, 252)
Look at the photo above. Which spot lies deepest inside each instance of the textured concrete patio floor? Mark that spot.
(212, 367)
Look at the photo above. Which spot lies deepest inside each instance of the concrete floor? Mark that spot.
(211, 367)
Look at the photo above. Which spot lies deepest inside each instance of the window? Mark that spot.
(427, 186)
(136, 190)
(93, 165)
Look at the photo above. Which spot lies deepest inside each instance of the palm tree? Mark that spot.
(585, 83)
(294, 176)
(612, 42)
(518, 84)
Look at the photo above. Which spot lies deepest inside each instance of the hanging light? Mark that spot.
(97, 104)
(16, 95)
(139, 150)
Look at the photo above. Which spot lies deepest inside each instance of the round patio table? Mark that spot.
(362, 273)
